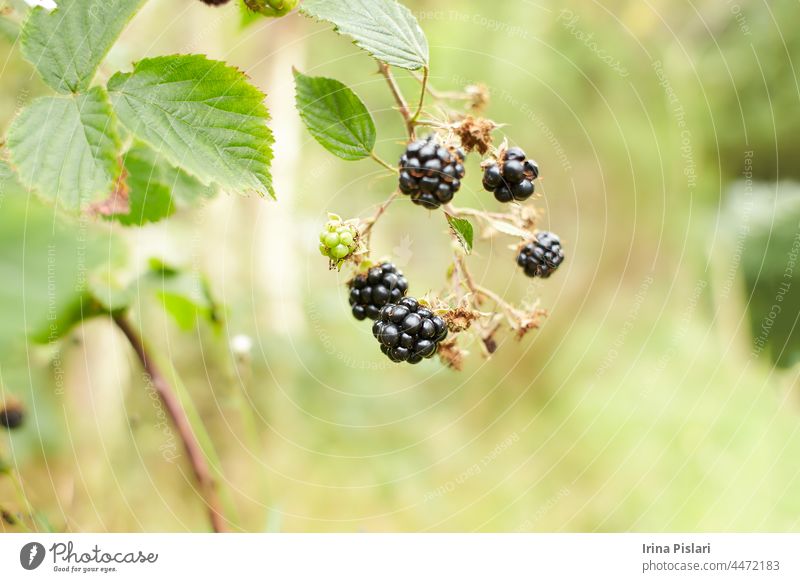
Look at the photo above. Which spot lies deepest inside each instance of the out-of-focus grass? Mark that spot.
(636, 406)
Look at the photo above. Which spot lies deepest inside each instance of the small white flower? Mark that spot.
(48, 5)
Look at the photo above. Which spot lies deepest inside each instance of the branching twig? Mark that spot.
(176, 412)
(402, 105)
(370, 222)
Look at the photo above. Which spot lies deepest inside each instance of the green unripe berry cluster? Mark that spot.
(338, 240)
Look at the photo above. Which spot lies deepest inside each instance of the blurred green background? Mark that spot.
(660, 394)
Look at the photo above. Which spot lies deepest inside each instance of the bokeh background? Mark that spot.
(661, 393)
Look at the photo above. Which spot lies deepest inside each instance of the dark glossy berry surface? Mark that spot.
(408, 331)
(377, 287)
(512, 178)
(541, 257)
(431, 173)
(11, 417)
(215, 2)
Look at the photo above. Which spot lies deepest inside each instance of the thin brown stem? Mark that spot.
(367, 232)
(402, 105)
(176, 412)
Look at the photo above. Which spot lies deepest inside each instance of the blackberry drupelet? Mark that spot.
(377, 287)
(430, 172)
(513, 178)
(408, 331)
(541, 257)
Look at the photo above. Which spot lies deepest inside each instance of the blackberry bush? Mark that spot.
(379, 286)
(408, 331)
(512, 178)
(430, 172)
(542, 256)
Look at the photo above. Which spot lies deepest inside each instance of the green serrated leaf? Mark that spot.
(462, 229)
(384, 28)
(66, 147)
(155, 188)
(335, 116)
(202, 115)
(68, 44)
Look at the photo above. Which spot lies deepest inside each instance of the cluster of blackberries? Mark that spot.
(542, 256)
(377, 287)
(430, 172)
(408, 332)
(512, 178)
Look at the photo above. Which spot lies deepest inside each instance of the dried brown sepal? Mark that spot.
(460, 318)
(451, 355)
(529, 321)
(479, 96)
(475, 133)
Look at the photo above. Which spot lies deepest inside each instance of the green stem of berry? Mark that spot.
(179, 418)
(383, 163)
(425, 74)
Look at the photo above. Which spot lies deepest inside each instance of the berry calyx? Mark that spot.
(431, 172)
(542, 256)
(512, 178)
(338, 240)
(408, 331)
(379, 286)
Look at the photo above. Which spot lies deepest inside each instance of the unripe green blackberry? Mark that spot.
(512, 178)
(408, 331)
(542, 256)
(377, 287)
(338, 240)
(430, 172)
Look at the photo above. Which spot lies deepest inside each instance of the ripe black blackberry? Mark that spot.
(542, 256)
(215, 2)
(12, 416)
(408, 331)
(513, 178)
(372, 290)
(430, 172)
